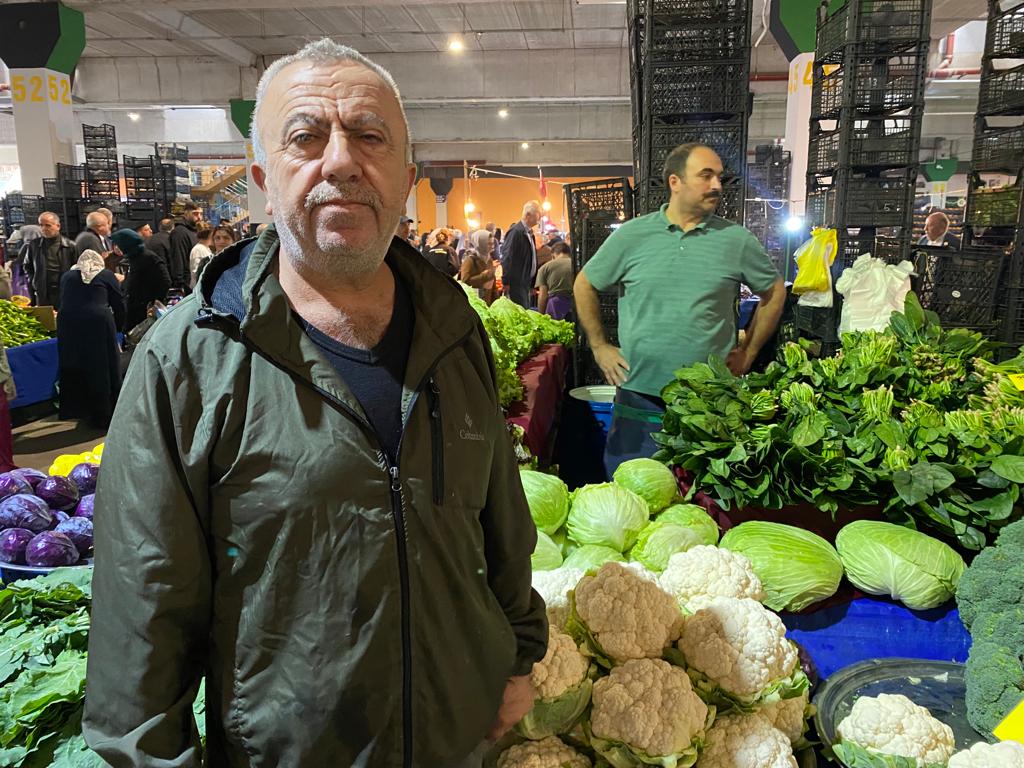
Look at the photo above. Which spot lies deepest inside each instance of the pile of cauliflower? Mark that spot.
(678, 669)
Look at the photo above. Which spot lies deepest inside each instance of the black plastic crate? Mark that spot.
(880, 143)
(874, 27)
(695, 41)
(51, 188)
(1001, 91)
(998, 149)
(697, 89)
(817, 322)
(70, 172)
(993, 207)
(870, 85)
(727, 138)
(961, 287)
(855, 242)
(679, 11)
(1004, 38)
(885, 201)
(594, 206)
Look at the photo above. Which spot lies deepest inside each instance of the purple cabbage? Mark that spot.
(79, 530)
(51, 549)
(12, 545)
(84, 508)
(31, 476)
(59, 492)
(58, 518)
(84, 475)
(12, 485)
(25, 511)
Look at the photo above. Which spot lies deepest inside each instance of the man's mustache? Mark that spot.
(325, 192)
(713, 196)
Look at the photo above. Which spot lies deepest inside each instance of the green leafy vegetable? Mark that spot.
(606, 514)
(18, 327)
(796, 567)
(547, 555)
(676, 529)
(650, 480)
(548, 498)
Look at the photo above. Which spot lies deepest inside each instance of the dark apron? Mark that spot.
(635, 418)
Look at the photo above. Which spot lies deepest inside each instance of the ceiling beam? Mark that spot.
(113, 6)
(198, 34)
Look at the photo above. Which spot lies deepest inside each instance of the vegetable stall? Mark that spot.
(31, 352)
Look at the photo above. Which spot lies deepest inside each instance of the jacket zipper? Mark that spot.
(437, 441)
(208, 316)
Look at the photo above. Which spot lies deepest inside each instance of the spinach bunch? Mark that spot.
(917, 419)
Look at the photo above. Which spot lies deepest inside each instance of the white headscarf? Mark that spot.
(89, 264)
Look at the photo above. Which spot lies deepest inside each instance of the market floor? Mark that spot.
(38, 443)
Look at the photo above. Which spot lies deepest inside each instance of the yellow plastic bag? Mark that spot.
(814, 260)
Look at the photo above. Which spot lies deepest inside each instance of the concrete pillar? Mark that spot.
(41, 43)
(798, 116)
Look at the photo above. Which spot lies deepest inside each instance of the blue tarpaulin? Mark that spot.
(35, 371)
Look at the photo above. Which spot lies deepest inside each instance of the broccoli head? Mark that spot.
(995, 685)
(1012, 536)
(993, 584)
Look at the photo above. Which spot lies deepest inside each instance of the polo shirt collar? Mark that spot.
(672, 227)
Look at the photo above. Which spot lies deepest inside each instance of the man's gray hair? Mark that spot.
(95, 218)
(323, 51)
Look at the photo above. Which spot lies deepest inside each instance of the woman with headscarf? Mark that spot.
(148, 279)
(476, 270)
(91, 312)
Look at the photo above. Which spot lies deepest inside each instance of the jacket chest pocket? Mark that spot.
(461, 450)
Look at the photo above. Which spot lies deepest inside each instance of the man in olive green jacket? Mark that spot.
(348, 605)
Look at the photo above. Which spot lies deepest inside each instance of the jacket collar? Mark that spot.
(241, 283)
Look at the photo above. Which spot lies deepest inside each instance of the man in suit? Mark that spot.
(160, 242)
(519, 256)
(936, 232)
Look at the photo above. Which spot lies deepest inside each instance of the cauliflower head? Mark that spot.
(1005, 754)
(551, 752)
(738, 655)
(563, 666)
(615, 616)
(647, 708)
(891, 724)
(790, 716)
(704, 571)
(642, 571)
(746, 741)
(554, 587)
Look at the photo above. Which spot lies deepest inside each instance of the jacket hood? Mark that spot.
(129, 241)
(241, 281)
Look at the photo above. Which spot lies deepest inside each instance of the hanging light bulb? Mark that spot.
(469, 207)
(546, 205)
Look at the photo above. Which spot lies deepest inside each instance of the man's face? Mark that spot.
(700, 188)
(403, 229)
(336, 177)
(102, 226)
(531, 217)
(50, 226)
(145, 231)
(935, 227)
(195, 216)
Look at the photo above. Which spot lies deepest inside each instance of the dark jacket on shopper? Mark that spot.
(345, 612)
(183, 239)
(88, 240)
(160, 244)
(518, 262)
(148, 279)
(40, 282)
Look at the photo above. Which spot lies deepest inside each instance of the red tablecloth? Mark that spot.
(543, 378)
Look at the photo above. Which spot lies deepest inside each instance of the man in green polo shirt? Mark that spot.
(679, 270)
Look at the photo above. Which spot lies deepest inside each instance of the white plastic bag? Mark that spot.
(872, 290)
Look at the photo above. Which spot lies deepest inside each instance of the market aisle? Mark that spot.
(38, 443)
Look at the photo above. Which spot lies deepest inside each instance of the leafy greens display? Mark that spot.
(916, 419)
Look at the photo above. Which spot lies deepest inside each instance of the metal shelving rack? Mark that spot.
(689, 77)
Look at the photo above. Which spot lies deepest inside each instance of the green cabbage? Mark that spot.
(910, 566)
(677, 529)
(607, 514)
(650, 480)
(797, 568)
(592, 556)
(548, 498)
(547, 555)
(558, 715)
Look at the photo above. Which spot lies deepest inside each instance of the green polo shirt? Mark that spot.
(679, 291)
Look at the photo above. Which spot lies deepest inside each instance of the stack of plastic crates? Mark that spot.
(994, 215)
(150, 188)
(103, 179)
(596, 209)
(176, 156)
(867, 103)
(689, 76)
(767, 193)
